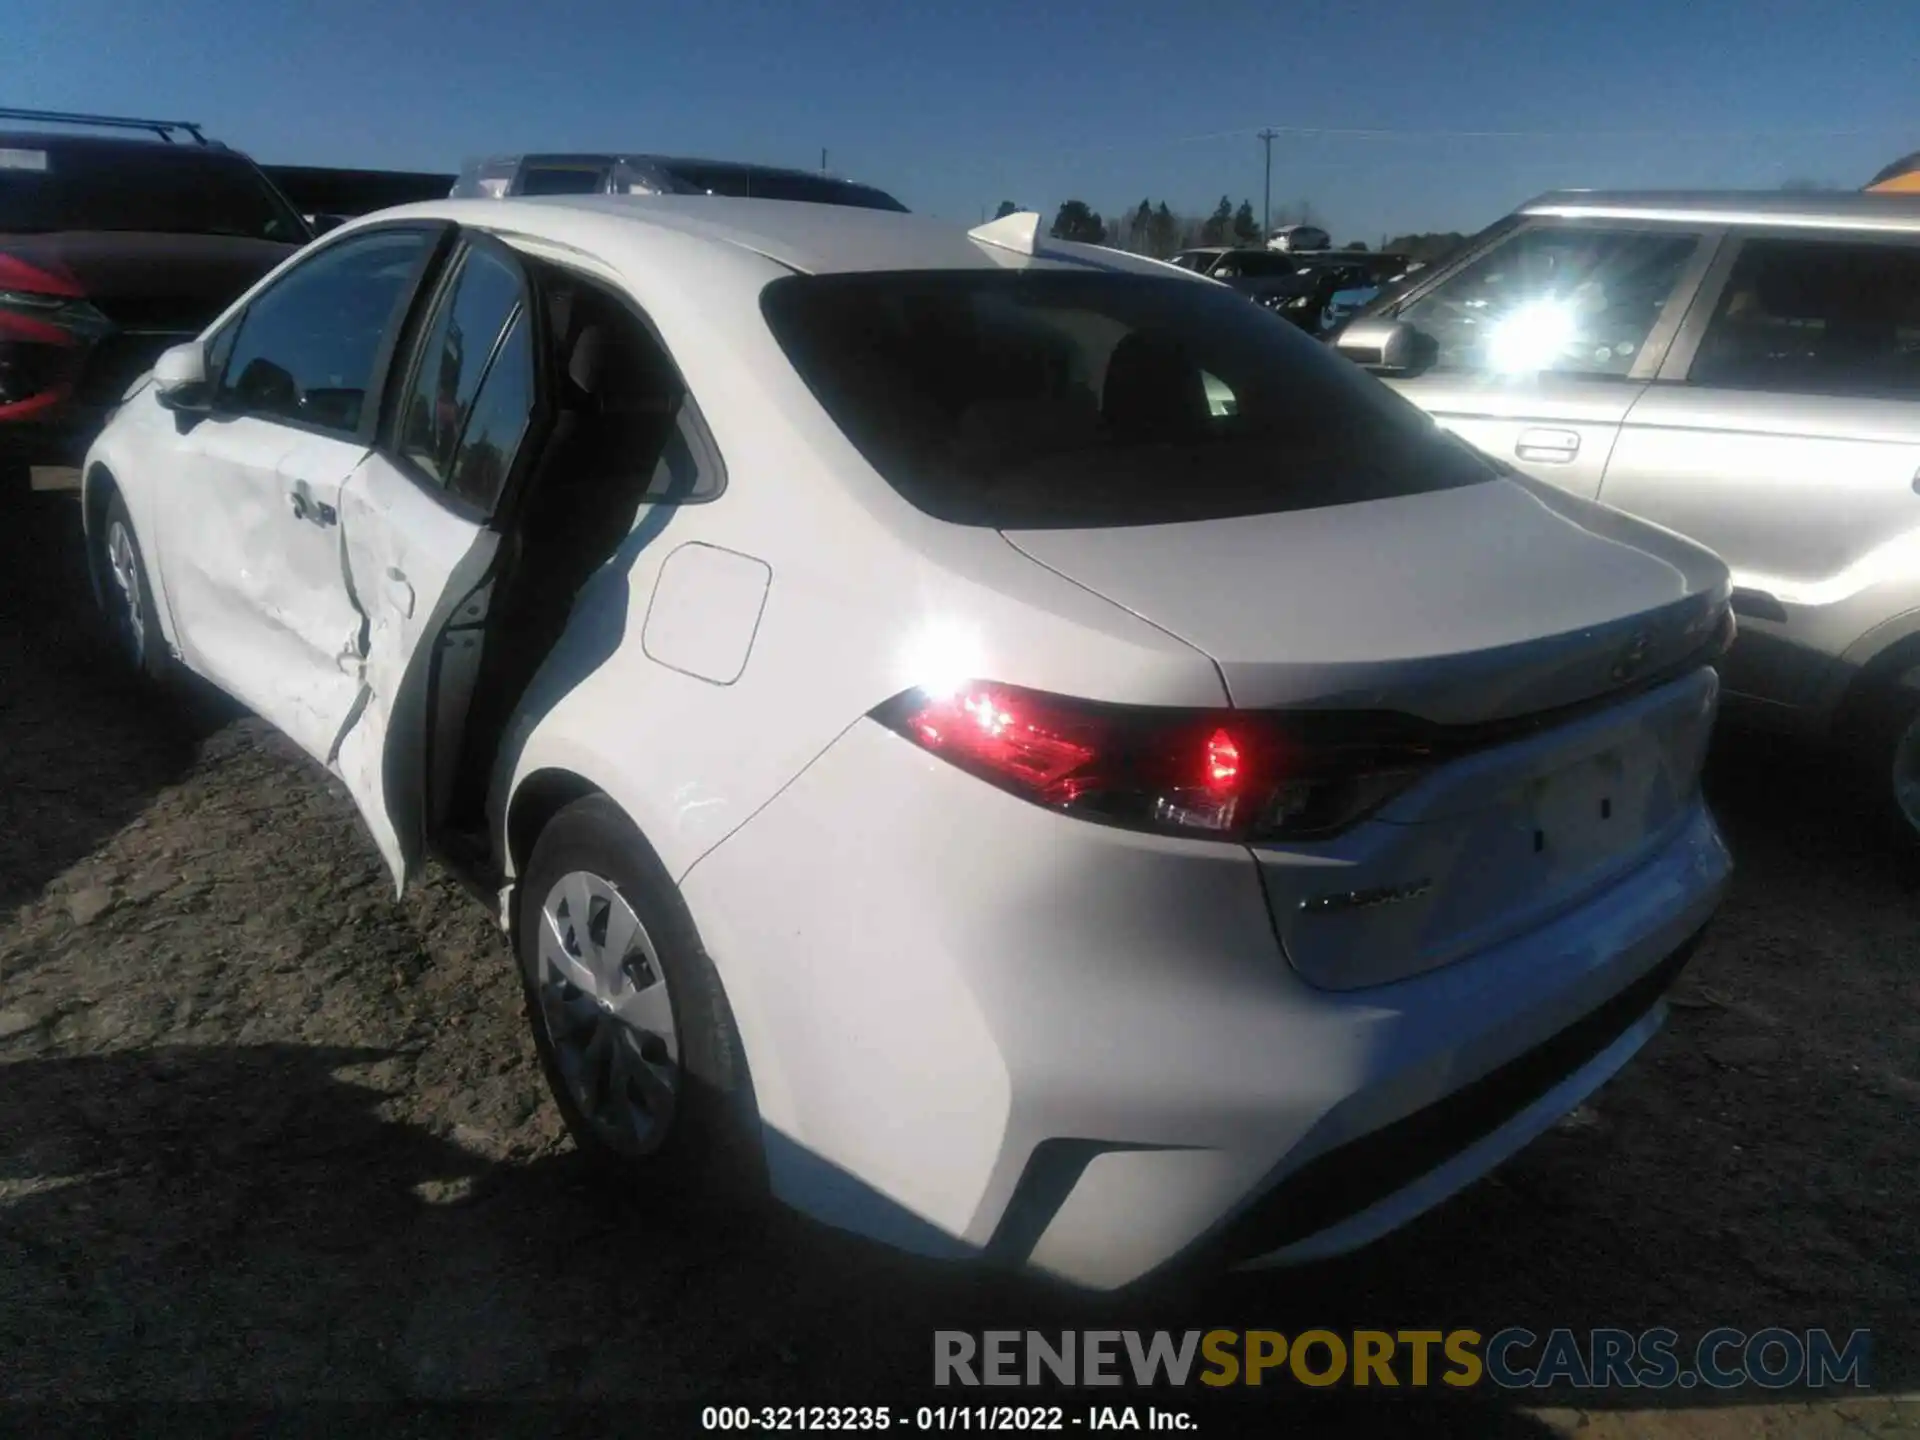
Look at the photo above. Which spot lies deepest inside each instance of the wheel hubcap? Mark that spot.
(125, 569)
(1906, 773)
(603, 996)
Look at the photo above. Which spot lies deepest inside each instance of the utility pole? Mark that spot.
(823, 159)
(1267, 137)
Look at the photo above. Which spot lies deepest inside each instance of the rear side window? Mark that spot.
(1572, 301)
(1817, 317)
(472, 388)
(497, 422)
(473, 312)
(1033, 399)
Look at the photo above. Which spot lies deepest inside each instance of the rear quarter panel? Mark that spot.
(862, 596)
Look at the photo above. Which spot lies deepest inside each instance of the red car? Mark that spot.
(112, 249)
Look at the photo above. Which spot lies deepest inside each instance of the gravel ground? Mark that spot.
(269, 1135)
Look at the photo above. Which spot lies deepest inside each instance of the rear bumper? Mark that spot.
(1367, 1187)
(977, 1028)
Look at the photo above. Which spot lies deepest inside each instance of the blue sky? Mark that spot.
(1467, 108)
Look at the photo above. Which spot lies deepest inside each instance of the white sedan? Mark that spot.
(1003, 744)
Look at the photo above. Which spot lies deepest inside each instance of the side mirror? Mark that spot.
(180, 378)
(1392, 347)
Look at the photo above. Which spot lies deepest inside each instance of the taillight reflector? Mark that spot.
(1230, 774)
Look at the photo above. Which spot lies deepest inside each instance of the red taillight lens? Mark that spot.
(1223, 761)
(1229, 774)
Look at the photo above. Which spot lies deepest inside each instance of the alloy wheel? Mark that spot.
(123, 564)
(604, 1000)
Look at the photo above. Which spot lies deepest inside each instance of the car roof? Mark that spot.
(800, 235)
(56, 141)
(1814, 209)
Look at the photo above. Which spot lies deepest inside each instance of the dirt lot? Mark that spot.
(268, 1134)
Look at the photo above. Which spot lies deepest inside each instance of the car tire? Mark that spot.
(635, 1036)
(127, 596)
(1883, 739)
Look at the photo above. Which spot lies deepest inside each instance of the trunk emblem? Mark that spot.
(1632, 659)
(1365, 899)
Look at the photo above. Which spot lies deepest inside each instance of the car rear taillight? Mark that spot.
(1229, 774)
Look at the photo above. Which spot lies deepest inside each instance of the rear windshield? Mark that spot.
(165, 188)
(1053, 399)
(743, 180)
(564, 180)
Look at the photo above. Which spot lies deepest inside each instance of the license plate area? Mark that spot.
(1590, 811)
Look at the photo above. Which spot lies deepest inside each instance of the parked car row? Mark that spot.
(113, 248)
(1315, 290)
(991, 741)
(1741, 369)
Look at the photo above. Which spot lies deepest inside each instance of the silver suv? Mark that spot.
(1741, 368)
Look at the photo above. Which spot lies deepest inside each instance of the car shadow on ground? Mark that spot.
(201, 1223)
(83, 747)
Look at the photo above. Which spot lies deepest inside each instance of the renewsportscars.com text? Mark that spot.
(1513, 1358)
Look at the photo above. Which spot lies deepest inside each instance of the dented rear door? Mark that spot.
(412, 562)
(420, 537)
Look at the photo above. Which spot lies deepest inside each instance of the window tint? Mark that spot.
(172, 189)
(563, 180)
(1573, 301)
(1254, 262)
(779, 185)
(307, 347)
(220, 348)
(497, 422)
(627, 430)
(472, 313)
(1056, 398)
(1816, 316)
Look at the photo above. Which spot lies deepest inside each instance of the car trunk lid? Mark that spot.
(1460, 606)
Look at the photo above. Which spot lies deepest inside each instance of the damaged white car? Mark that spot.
(1004, 744)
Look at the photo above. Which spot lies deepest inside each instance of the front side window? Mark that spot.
(307, 347)
(1037, 399)
(473, 313)
(1574, 301)
(1818, 317)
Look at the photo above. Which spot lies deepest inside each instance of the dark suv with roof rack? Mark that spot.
(113, 248)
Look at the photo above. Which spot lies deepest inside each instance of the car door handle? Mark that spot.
(305, 507)
(1547, 447)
